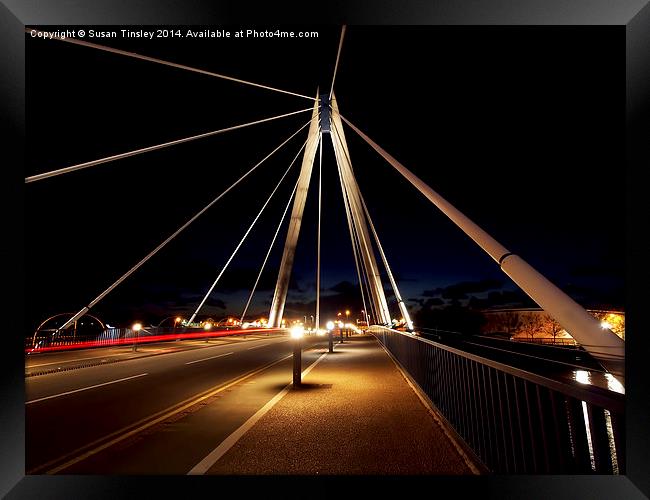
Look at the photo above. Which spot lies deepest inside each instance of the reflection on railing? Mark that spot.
(513, 420)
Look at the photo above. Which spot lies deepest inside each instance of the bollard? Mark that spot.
(297, 362)
(330, 341)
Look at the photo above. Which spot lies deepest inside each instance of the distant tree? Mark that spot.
(551, 326)
(531, 324)
(511, 321)
(502, 322)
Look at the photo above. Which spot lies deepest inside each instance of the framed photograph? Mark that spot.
(207, 206)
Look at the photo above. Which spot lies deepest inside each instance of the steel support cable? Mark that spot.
(355, 244)
(174, 234)
(250, 228)
(367, 252)
(572, 316)
(353, 240)
(358, 238)
(168, 63)
(92, 163)
(400, 302)
(362, 271)
(338, 55)
(268, 253)
(320, 204)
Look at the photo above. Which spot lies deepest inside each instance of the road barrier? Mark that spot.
(515, 422)
(51, 341)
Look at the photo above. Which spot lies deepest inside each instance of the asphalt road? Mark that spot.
(77, 420)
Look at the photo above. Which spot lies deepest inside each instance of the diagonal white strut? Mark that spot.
(604, 345)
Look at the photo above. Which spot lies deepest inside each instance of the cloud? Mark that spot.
(459, 291)
(510, 298)
(345, 287)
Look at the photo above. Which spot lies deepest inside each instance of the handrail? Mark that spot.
(590, 394)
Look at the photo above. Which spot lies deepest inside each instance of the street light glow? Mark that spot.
(207, 326)
(297, 331)
(137, 327)
(330, 325)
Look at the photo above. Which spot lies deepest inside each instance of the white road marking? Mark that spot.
(85, 388)
(157, 418)
(204, 465)
(211, 357)
(209, 346)
(73, 360)
(256, 346)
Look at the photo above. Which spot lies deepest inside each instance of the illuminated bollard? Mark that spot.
(330, 335)
(136, 328)
(297, 333)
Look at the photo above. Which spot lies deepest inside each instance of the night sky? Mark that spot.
(519, 128)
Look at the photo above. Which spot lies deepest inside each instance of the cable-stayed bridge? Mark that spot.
(464, 388)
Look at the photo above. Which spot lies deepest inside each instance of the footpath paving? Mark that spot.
(355, 414)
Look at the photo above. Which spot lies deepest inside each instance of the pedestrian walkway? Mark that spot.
(354, 414)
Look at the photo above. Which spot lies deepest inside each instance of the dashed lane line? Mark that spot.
(84, 388)
(211, 357)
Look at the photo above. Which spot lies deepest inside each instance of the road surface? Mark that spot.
(85, 420)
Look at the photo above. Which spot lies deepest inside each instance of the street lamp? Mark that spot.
(347, 318)
(297, 332)
(136, 328)
(330, 327)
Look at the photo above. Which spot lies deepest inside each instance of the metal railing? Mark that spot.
(515, 421)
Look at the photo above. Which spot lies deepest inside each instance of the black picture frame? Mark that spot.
(633, 15)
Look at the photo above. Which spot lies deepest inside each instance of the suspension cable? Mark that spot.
(338, 55)
(85, 309)
(376, 293)
(400, 302)
(268, 253)
(320, 204)
(250, 228)
(166, 63)
(353, 239)
(398, 296)
(87, 164)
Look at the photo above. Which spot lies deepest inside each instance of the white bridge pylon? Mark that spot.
(358, 224)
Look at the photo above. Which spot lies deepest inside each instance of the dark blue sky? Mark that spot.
(520, 128)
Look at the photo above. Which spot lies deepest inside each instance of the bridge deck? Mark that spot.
(355, 414)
